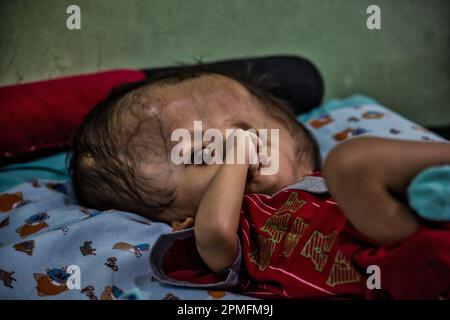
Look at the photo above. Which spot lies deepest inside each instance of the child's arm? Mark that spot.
(217, 219)
(369, 176)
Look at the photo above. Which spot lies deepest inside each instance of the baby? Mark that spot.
(294, 241)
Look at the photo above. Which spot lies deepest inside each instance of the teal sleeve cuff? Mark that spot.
(429, 193)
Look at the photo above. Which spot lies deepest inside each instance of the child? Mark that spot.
(293, 242)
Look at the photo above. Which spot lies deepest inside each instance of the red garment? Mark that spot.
(299, 245)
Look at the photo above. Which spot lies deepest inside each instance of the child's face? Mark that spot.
(220, 103)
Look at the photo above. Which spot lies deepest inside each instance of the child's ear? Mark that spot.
(183, 223)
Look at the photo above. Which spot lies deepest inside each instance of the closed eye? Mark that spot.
(240, 124)
(198, 156)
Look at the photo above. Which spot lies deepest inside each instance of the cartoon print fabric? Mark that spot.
(340, 120)
(43, 232)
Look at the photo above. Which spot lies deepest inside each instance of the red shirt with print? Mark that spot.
(297, 244)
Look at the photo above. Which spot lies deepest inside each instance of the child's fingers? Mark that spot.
(257, 142)
(263, 160)
(252, 146)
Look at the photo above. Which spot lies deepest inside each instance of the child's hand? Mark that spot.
(217, 218)
(242, 147)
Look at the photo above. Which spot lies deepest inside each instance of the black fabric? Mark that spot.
(292, 78)
(442, 131)
(297, 80)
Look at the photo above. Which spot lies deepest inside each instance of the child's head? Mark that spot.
(121, 152)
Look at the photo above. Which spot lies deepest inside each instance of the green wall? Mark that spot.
(405, 65)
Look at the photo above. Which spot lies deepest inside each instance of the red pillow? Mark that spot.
(37, 118)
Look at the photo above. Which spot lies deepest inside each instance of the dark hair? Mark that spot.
(105, 178)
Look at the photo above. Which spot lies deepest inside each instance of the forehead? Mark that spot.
(213, 99)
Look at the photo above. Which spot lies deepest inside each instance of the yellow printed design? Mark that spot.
(295, 233)
(342, 271)
(292, 204)
(276, 226)
(263, 252)
(316, 247)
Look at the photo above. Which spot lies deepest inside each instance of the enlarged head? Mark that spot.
(121, 153)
